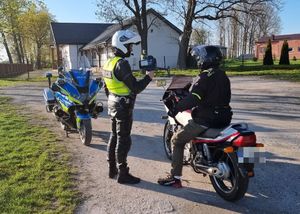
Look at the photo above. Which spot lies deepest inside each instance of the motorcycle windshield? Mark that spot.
(81, 78)
(94, 87)
(71, 89)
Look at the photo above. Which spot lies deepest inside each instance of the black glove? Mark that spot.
(172, 112)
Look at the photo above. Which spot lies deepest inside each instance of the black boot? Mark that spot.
(126, 178)
(113, 170)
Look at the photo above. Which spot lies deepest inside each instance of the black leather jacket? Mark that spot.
(209, 98)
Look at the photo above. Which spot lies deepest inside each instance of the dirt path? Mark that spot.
(270, 107)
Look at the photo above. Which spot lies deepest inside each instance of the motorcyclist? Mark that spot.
(122, 88)
(209, 98)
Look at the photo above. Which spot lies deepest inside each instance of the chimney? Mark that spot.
(273, 37)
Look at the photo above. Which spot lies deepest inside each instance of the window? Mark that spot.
(291, 49)
(298, 49)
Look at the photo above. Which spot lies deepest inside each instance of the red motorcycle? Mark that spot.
(227, 155)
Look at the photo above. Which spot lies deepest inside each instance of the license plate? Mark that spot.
(251, 155)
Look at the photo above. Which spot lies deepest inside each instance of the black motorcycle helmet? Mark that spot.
(207, 56)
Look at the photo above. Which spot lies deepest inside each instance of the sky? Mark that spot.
(84, 11)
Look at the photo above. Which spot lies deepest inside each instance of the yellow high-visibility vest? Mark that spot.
(112, 83)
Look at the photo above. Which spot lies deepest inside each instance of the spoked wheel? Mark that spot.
(232, 186)
(85, 132)
(168, 133)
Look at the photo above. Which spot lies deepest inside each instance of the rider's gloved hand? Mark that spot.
(172, 112)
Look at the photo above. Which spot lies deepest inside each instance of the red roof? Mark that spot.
(279, 38)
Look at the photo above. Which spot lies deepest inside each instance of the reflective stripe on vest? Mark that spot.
(112, 83)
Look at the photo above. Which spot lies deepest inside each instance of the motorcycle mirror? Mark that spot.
(161, 83)
(48, 74)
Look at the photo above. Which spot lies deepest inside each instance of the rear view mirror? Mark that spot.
(161, 83)
(48, 74)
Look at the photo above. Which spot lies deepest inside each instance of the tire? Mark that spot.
(85, 132)
(239, 184)
(167, 140)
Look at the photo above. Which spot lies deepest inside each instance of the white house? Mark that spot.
(69, 38)
(163, 43)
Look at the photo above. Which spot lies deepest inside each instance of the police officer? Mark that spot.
(122, 88)
(209, 98)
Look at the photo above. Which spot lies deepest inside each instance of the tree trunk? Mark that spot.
(187, 31)
(17, 48)
(7, 48)
(21, 48)
(38, 56)
(234, 26)
(144, 28)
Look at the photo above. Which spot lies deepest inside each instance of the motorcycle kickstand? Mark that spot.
(67, 134)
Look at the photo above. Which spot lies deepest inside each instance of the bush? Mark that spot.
(255, 59)
(294, 58)
(268, 59)
(284, 57)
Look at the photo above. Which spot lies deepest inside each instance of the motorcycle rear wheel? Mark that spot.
(167, 140)
(235, 187)
(85, 132)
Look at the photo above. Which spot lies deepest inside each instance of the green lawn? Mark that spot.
(286, 74)
(290, 75)
(231, 63)
(35, 172)
(18, 81)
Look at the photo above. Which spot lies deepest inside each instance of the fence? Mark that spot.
(12, 70)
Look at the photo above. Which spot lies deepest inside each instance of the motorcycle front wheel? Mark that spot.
(235, 185)
(167, 140)
(85, 132)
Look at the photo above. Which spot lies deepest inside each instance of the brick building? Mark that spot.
(277, 41)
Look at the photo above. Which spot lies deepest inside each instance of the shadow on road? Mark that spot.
(150, 148)
(199, 196)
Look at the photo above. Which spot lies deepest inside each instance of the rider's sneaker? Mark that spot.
(170, 180)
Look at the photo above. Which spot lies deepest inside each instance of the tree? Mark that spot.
(268, 59)
(199, 10)
(36, 28)
(199, 36)
(6, 47)
(119, 10)
(284, 57)
(10, 11)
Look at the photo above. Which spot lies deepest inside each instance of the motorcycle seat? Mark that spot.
(211, 133)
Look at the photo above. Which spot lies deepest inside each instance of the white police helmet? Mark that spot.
(122, 38)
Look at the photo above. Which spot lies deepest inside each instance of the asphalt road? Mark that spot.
(270, 107)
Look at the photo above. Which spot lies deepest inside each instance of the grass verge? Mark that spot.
(17, 81)
(290, 75)
(35, 176)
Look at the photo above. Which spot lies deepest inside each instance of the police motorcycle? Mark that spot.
(226, 155)
(72, 99)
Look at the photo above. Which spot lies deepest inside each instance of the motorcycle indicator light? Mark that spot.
(228, 149)
(243, 141)
(260, 145)
(250, 174)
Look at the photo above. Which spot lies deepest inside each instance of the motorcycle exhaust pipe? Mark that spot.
(214, 171)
